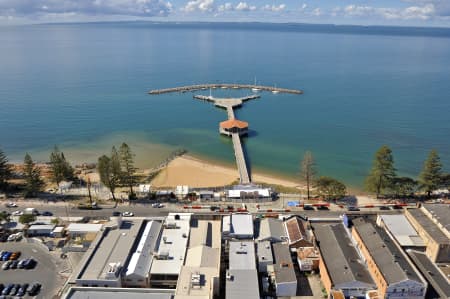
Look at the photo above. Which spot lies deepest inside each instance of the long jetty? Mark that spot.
(225, 86)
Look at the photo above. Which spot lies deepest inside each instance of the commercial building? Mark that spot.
(199, 277)
(440, 214)
(82, 229)
(394, 275)
(401, 230)
(104, 260)
(171, 251)
(297, 233)
(40, 230)
(264, 254)
(249, 193)
(239, 226)
(271, 229)
(242, 277)
(341, 268)
(432, 230)
(308, 258)
(282, 271)
(438, 281)
(116, 293)
(138, 269)
(231, 126)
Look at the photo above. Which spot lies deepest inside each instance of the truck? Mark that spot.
(31, 211)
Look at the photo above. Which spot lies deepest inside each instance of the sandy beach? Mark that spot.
(187, 170)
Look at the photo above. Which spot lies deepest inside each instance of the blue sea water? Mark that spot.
(75, 84)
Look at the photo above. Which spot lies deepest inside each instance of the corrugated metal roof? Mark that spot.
(402, 230)
(389, 259)
(429, 226)
(141, 259)
(340, 256)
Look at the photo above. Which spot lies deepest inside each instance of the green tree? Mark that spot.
(32, 175)
(4, 216)
(383, 172)
(127, 166)
(430, 177)
(60, 167)
(308, 171)
(110, 172)
(404, 186)
(27, 218)
(5, 170)
(445, 181)
(330, 188)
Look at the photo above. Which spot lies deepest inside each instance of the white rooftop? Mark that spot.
(236, 193)
(42, 227)
(242, 255)
(141, 259)
(84, 227)
(402, 230)
(172, 246)
(241, 225)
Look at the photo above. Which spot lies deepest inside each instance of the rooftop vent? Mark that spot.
(228, 276)
(196, 279)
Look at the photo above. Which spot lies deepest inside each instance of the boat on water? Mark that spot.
(224, 87)
(254, 88)
(275, 91)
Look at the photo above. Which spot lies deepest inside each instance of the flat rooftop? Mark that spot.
(391, 261)
(264, 251)
(283, 266)
(118, 293)
(242, 255)
(429, 226)
(342, 261)
(242, 224)
(271, 228)
(204, 232)
(402, 230)
(242, 285)
(114, 247)
(440, 213)
(173, 244)
(432, 273)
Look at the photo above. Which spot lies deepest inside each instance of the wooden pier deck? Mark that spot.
(240, 159)
(225, 86)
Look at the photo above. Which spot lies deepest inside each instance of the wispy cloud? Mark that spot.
(86, 7)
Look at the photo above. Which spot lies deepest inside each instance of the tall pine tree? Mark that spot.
(32, 175)
(431, 176)
(5, 170)
(60, 168)
(308, 171)
(382, 174)
(127, 166)
(110, 172)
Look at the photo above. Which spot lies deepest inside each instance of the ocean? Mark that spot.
(84, 87)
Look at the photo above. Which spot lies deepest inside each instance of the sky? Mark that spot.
(424, 13)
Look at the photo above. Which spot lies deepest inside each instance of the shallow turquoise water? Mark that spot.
(74, 84)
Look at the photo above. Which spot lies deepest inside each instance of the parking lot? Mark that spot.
(46, 272)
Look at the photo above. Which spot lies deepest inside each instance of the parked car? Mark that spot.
(4, 238)
(6, 256)
(7, 289)
(15, 289)
(353, 209)
(116, 213)
(30, 264)
(17, 213)
(34, 289)
(384, 208)
(15, 255)
(23, 290)
(14, 264)
(47, 213)
(127, 214)
(157, 205)
(6, 265)
(21, 263)
(308, 208)
(11, 205)
(2, 286)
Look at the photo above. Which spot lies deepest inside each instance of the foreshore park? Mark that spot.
(189, 229)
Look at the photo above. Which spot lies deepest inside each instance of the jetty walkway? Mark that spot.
(229, 104)
(225, 86)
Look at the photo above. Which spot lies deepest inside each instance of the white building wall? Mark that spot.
(286, 288)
